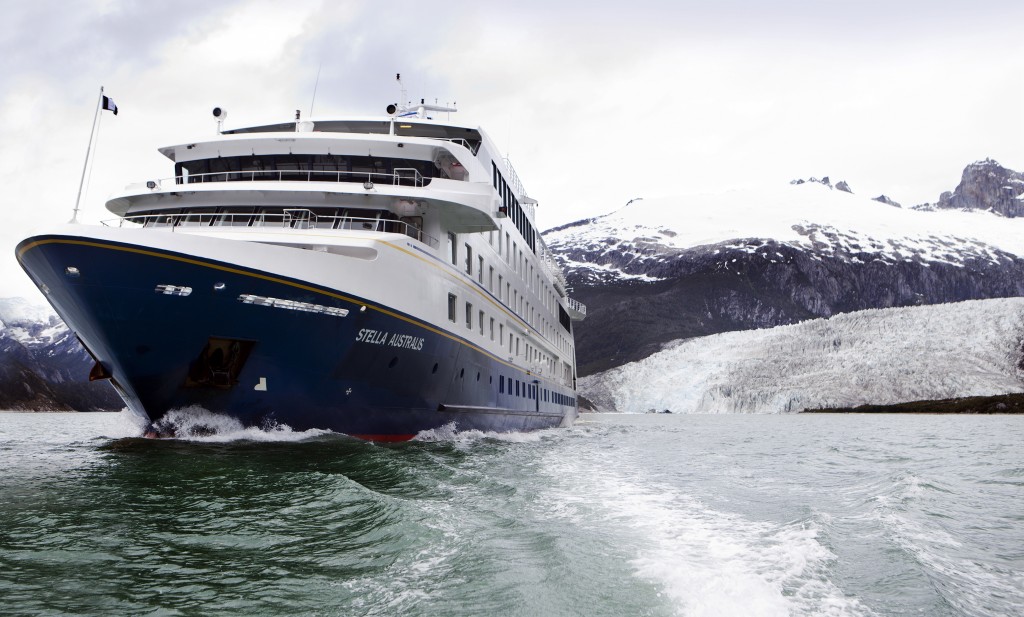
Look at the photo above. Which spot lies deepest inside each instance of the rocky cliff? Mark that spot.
(986, 185)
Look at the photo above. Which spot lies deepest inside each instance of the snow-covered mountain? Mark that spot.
(676, 268)
(42, 364)
(880, 356)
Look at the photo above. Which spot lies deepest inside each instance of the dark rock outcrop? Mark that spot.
(987, 185)
(839, 186)
(885, 200)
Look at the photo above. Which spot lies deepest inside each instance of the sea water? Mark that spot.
(758, 515)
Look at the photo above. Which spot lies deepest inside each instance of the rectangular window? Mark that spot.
(469, 315)
(517, 387)
(508, 241)
(501, 334)
(501, 384)
(492, 328)
(490, 280)
(469, 259)
(451, 307)
(480, 270)
(500, 279)
(453, 248)
(481, 315)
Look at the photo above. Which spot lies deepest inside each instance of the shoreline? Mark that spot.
(1008, 404)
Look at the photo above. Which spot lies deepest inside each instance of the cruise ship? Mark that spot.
(377, 277)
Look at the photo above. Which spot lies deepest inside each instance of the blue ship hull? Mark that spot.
(267, 349)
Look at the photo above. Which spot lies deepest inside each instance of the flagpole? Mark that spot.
(88, 150)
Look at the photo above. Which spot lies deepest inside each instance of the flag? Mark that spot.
(108, 103)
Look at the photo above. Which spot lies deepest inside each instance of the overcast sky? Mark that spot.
(595, 102)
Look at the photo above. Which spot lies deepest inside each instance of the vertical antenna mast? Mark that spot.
(402, 102)
(88, 150)
(317, 83)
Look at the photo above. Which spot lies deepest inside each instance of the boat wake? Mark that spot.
(449, 433)
(963, 573)
(704, 560)
(199, 424)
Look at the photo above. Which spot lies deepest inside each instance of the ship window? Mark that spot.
(469, 315)
(234, 218)
(453, 248)
(492, 328)
(198, 217)
(501, 384)
(451, 307)
(563, 318)
(481, 315)
(307, 168)
(480, 269)
(381, 127)
(469, 259)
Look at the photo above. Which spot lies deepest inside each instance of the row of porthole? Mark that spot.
(555, 397)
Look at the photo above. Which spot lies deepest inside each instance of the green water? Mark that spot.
(620, 515)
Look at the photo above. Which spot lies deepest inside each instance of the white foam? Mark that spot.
(449, 433)
(198, 424)
(707, 562)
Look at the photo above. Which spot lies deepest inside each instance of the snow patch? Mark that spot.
(808, 216)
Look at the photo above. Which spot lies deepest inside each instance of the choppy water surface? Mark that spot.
(620, 515)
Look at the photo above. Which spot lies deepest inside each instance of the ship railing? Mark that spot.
(290, 218)
(550, 267)
(577, 306)
(513, 178)
(401, 176)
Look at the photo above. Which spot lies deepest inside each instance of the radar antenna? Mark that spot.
(405, 108)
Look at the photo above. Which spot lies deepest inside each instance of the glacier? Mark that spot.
(875, 356)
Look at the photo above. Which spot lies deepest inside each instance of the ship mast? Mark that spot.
(102, 103)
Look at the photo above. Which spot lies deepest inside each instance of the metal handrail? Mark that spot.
(399, 177)
(290, 218)
(577, 306)
(550, 267)
(513, 179)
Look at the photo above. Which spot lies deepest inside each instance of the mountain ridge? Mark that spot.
(662, 269)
